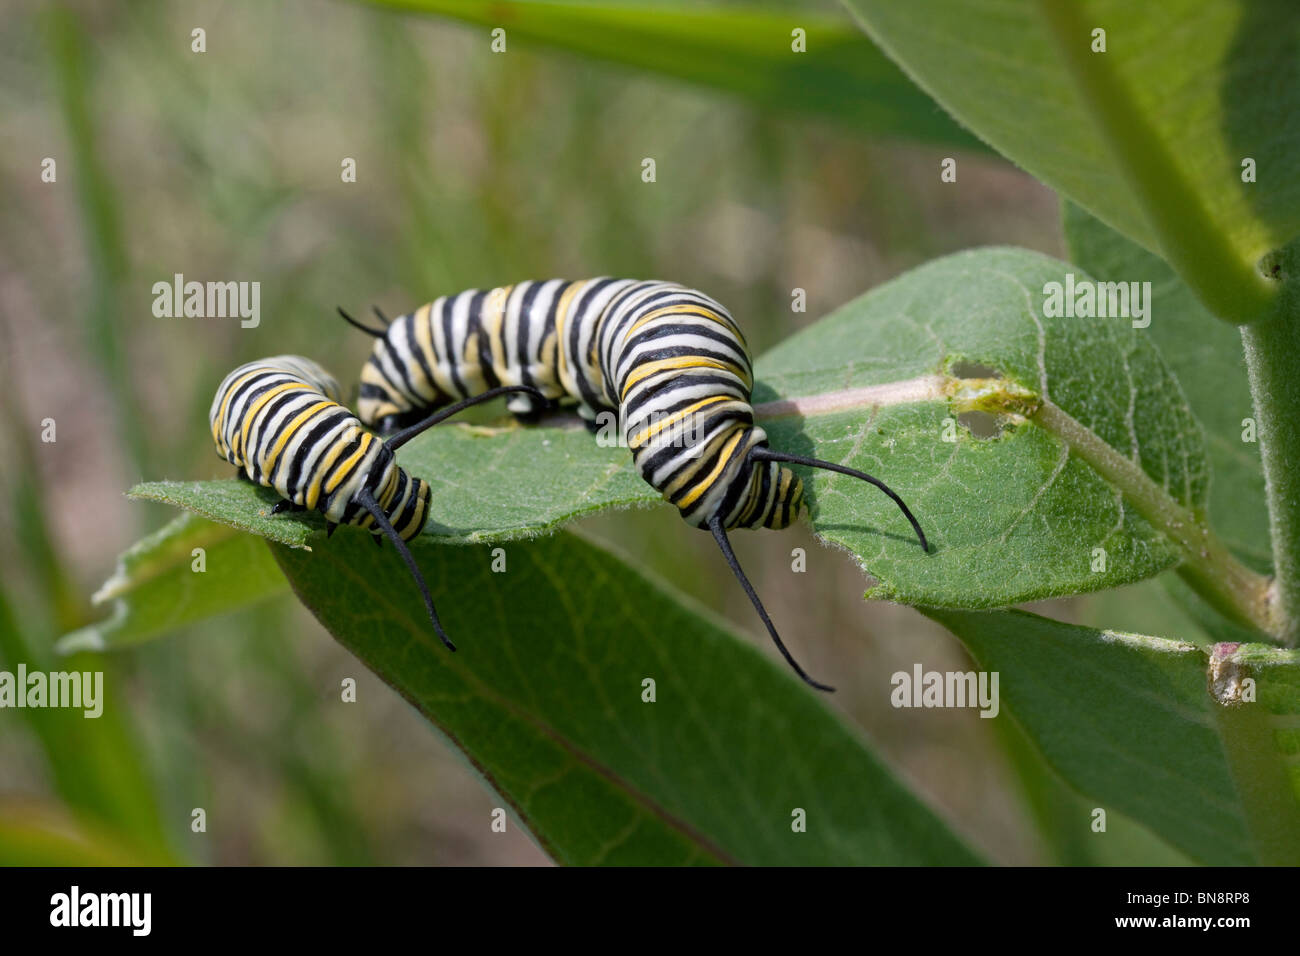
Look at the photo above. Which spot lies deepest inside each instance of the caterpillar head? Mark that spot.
(748, 492)
(408, 508)
(778, 492)
(401, 498)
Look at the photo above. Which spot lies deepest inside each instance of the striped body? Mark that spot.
(670, 362)
(279, 421)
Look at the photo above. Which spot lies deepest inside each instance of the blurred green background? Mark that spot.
(474, 169)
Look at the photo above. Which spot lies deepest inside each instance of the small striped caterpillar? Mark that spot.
(670, 361)
(280, 422)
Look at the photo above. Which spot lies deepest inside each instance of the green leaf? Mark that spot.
(155, 588)
(1150, 135)
(739, 50)
(545, 699)
(1058, 809)
(1034, 535)
(1127, 719)
(488, 484)
(1207, 357)
(1118, 465)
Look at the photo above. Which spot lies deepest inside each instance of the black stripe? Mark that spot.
(391, 391)
(526, 322)
(417, 350)
(318, 432)
(258, 435)
(580, 309)
(696, 468)
(454, 347)
(327, 498)
(399, 360)
(739, 487)
(484, 343)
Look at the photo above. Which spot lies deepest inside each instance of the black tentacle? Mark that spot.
(377, 333)
(367, 501)
(759, 453)
(720, 535)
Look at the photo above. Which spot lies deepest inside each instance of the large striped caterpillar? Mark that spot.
(280, 422)
(670, 361)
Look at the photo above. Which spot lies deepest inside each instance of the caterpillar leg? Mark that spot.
(720, 535)
(528, 411)
(286, 505)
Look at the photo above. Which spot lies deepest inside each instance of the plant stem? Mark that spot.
(1273, 360)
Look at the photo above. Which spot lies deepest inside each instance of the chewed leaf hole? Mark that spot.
(986, 403)
(1270, 266)
(982, 425)
(964, 369)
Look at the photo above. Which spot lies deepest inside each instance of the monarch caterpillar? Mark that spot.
(280, 422)
(669, 360)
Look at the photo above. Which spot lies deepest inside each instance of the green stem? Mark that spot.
(1184, 226)
(1273, 360)
(1208, 566)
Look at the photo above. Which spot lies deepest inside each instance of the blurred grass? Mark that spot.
(473, 169)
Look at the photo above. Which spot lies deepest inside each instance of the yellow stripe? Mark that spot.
(496, 344)
(703, 486)
(322, 469)
(390, 488)
(346, 466)
(287, 433)
(417, 515)
(261, 402)
(679, 310)
(652, 430)
(225, 403)
(562, 317)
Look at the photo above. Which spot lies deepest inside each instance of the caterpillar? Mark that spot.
(670, 361)
(279, 420)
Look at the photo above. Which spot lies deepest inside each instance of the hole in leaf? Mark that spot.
(965, 369)
(981, 425)
(1270, 266)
